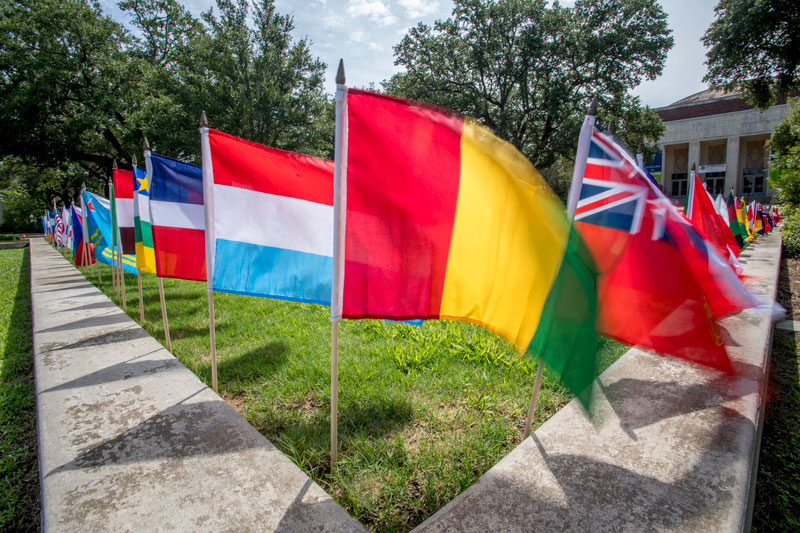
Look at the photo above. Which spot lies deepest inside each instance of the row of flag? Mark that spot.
(426, 214)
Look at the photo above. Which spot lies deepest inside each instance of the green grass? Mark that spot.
(777, 503)
(19, 475)
(423, 411)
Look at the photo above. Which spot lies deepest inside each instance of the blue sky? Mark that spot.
(362, 32)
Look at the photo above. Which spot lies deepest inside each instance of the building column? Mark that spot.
(694, 155)
(732, 170)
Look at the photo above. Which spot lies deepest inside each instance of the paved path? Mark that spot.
(130, 440)
(670, 446)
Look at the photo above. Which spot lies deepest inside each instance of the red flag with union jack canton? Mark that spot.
(661, 285)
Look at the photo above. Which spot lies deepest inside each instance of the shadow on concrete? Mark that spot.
(93, 321)
(119, 372)
(182, 430)
(304, 516)
(105, 338)
(257, 363)
(70, 287)
(81, 295)
(96, 305)
(639, 403)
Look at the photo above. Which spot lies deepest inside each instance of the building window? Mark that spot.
(715, 183)
(680, 184)
(754, 181)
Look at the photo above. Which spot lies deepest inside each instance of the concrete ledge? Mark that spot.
(670, 446)
(130, 440)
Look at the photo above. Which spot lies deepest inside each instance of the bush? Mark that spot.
(791, 231)
(21, 212)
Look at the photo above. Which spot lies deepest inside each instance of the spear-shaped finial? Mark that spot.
(611, 127)
(340, 73)
(133, 159)
(145, 144)
(641, 147)
(593, 107)
(83, 185)
(694, 167)
(114, 165)
(203, 120)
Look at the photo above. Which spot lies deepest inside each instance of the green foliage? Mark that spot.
(423, 410)
(20, 211)
(785, 165)
(790, 231)
(528, 69)
(753, 47)
(19, 475)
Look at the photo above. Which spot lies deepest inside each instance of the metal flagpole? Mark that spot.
(339, 220)
(582, 155)
(138, 272)
(208, 204)
(148, 168)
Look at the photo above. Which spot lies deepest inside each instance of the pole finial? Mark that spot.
(114, 165)
(133, 159)
(593, 107)
(203, 120)
(340, 80)
(694, 167)
(641, 147)
(611, 127)
(83, 185)
(145, 144)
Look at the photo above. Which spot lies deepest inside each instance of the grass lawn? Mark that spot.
(777, 503)
(19, 474)
(423, 410)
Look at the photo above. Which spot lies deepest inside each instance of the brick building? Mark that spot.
(724, 136)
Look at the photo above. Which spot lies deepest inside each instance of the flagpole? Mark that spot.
(118, 237)
(692, 192)
(138, 272)
(148, 168)
(114, 273)
(339, 221)
(582, 155)
(208, 206)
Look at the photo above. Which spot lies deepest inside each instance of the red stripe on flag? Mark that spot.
(599, 203)
(404, 165)
(180, 252)
(248, 165)
(123, 183)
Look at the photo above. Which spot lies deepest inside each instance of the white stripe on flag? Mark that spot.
(144, 212)
(124, 212)
(276, 221)
(177, 215)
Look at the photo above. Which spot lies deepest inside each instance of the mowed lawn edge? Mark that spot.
(424, 411)
(20, 507)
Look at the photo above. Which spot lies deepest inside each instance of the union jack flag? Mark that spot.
(610, 204)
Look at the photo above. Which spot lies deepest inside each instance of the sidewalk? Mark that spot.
(130, 440)
(670, 446)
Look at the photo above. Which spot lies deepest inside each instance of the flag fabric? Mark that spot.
(733, 221)
(722, 209)
(79, 254)
(51, 218)
(744, 225)
(177, 218)
(123, 209)
(445, 220)
(273, 220)
(145, 254)
(98, 222)
(66, 216)
(704, 217)
(756, 220)
(59, 229)
(661, 284)
(43, 220)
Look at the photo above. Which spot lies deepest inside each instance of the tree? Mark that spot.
(785, 165)
(754, 47)
(528, 70)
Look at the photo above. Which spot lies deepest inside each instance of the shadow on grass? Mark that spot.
(258, 363)
(20, 507)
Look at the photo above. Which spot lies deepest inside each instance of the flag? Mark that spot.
(733, 221)
(66, 217)
(98, 222)
(123, 209)
(79, 255)
(445, 220)
(177, 218)
(757, 223)
(59, 229)
(43, 220)
(273, 221)
(662, 286)
(145, 254)
(741, 215)
(705, 219)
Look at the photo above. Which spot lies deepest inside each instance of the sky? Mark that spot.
(363, 32)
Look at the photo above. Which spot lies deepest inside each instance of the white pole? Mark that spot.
(208, 204)
(339, 222)
(581, 157)
(148, 168)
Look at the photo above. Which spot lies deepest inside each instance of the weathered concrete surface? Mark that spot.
(670, 446)
(130, 440)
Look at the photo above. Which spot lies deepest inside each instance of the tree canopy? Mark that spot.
(754, 47)
(528, 69)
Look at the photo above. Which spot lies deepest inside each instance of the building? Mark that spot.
(725, 137)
